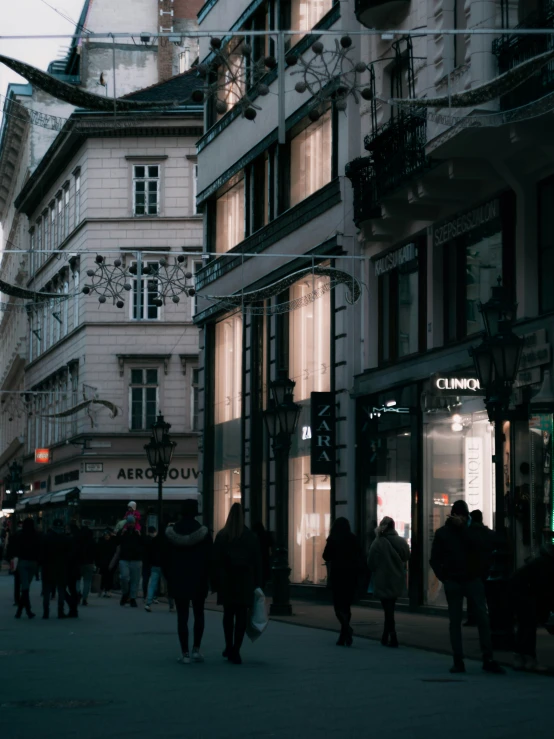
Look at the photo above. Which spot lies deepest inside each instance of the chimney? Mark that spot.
(165, 51)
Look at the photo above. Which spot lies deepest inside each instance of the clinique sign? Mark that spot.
(455, 385)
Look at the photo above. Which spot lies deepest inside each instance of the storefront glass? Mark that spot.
(458, 448)
(227, 416)
(541, 509)
(309, 495)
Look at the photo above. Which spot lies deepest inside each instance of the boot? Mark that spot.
(27, 604)
(385, 638)
(393, 640)
(61, 613)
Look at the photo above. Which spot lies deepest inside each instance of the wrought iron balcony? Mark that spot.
(511, 50)
(377, 13)
(396, 153)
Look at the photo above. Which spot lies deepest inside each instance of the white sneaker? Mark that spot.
(147, 608)
(197, 656)
(185, 659)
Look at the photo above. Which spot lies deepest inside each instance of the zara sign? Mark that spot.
(323, 435)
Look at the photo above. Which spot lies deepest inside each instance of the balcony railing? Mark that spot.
(396, 153)
(511, 50)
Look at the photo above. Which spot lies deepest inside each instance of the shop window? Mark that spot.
(227, 490)
(145, 292)
(228, 369)
(146, 189)
(230, 226)
(546, 244)
(143, 399)
(311, 159)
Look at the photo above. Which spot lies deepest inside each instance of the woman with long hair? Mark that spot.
(387, 560)
(237, 574)
(343, 557)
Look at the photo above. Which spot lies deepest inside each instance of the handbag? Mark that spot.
(257, 617)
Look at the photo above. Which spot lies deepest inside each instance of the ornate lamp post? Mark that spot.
(159, 451)
(281, 419)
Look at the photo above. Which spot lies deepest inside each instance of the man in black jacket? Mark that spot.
(131, 551)
(460, 559)
(186, 565)
(55, 560)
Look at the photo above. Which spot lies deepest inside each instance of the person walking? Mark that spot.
(459, 559)
(343, 556)
(131, 550)
(532, 588)
(27, 551)
(87, 557)
(150, 544)
(55, 560)
(478, 530)
(186, 564)
(152, 561)
(387, 561)
(11, 548)
(237, 572)
(74, 569)
(103, 555)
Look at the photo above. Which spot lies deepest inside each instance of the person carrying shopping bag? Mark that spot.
(237, 573)
(387, 561)
(343, 556)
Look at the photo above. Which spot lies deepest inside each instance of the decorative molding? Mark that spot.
(123, 358)
(185, 358)
(145, 157)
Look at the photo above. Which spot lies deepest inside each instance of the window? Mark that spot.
(311, 159)
(230, 229)
(74, 375)
(38, 232)
(228, 375)
(184, 60)
(143, 398)
(61, 234)
(194, 400)
(194, 187)
(546, 244)
(460, 23)
(66, 212)
(46, 234)
(32, 256)
(76, 297)
(400, 316)
(231, 81)
(196, 267)
(65, 309)
(146, 189)
(145, 292)
(77, 198)
(53, 224)
(305, 14)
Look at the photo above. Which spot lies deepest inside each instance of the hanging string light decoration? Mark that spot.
(234, 78)
(167, 280)
(248, 299)
(332, 75)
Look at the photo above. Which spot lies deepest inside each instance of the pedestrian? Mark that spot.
(343, 556)
(533, 593)
(186, 563)
(237, 572)
(74, 569)
(27, 551)
(478, 529)
(387, 560)
(149, 545)
(104, 553)
(152, 561)
(11, 557)
(87, 557)
(459, 559)
(130, 554)
(55, 560)
(266, 545)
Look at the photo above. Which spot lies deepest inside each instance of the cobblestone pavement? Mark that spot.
(113, 674)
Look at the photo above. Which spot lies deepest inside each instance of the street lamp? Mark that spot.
(16, 479)
(159, 451)
(281, 420)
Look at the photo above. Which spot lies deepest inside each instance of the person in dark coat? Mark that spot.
(103, 555)
(387, 561)
(478, 531)
(237, 572)
(10, 555)
(266, 545)
(27, 550)
(343, 556)
(55, 558)
(131, 553)
(459, 559)
(87, 557)
(186, 565)
(74, 569)
(533, 593)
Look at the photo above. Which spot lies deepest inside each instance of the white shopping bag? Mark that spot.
(257, 617)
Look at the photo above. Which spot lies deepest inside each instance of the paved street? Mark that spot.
(113, 673)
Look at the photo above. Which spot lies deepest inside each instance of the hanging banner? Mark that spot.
(323, 434)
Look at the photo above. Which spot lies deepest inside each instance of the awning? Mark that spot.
(39, 501)
(30, 501)
(128, 492)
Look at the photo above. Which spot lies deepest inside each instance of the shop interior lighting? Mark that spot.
(457, 427)
(457, 418)
(390, 403)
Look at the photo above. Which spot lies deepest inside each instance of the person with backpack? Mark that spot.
(237, 572)
(186, 558)
(387, 561)
(343, 556)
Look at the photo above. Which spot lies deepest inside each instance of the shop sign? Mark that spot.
(455, 385)
(535, 356)
(140, 473)
(323, 441)
(395, 259)
(466, 222)
(42, 456)
(528, 377)
(94, 467)
(473, 472)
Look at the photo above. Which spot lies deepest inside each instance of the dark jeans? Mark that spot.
(388, 608)
(183, 621)
(234, 626)
(526, 634)
(106, 577)
(73, 599)
(341, 604)
(473, 590)
(49, 586)
(16, 587)
(146, 573)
